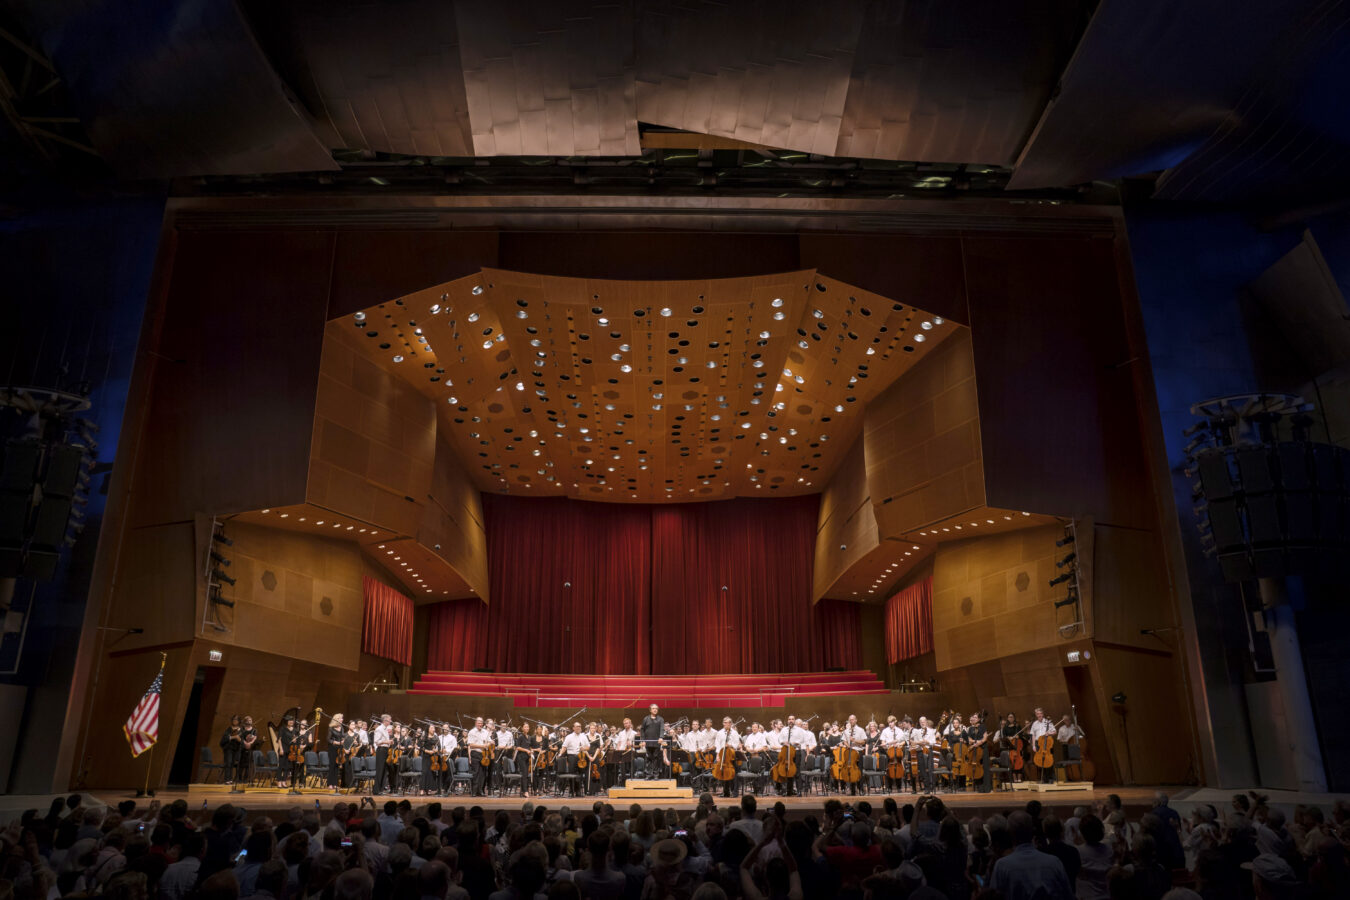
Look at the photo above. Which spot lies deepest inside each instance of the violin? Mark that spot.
(487, 754)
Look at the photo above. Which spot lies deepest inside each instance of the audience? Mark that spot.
(917, 851)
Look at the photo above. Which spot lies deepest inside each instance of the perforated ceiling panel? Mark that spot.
(649, 391)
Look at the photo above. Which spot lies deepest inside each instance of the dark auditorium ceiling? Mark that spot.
(647, 391)
(1215, 100)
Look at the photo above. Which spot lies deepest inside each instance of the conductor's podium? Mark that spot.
(654, 789)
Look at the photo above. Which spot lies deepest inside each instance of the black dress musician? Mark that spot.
(975, 732)
(431, 753)
(652, 732)
(292, 751)
(232, 742)
(248, 742)
(337, 735)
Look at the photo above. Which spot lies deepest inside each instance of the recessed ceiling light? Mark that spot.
(665, 311)
(919, 339)
(777, 301)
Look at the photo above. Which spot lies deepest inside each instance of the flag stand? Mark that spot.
(150, 751)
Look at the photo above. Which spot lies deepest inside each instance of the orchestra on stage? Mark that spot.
(573, 758)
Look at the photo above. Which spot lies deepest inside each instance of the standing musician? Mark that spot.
(1040, 727)
(893, 738)
(546, 760)
(383, 740)
(479, 739)
(431, 759)
(594, 740)
(248, 740)
(293, 739)
(756, 746)
(337, 737)
(623, 745)
(506, 745)
(979, 737)
(574, 748)
(803, 742)
(652, 731)
(924, 737)
(852, 737)
(727, 737)
(232, 742)
(449, 747)
(1006, 734)
(526, 756)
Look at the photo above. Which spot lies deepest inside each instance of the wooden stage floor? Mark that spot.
(269, 801)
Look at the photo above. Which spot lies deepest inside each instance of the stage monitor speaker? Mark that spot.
(1254, 470)
(18, 471)
(63, 471)
(1215, 480)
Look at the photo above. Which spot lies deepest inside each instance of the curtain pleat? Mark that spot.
(909, 622)
(387, 622)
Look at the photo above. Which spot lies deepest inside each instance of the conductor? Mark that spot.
(651, 732)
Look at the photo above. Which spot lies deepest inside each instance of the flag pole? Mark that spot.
(150, 751)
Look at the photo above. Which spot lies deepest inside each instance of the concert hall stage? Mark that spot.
(273, 802)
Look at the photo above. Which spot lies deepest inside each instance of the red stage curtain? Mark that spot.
(645, 592)
(570, 584)
(909, 622)
(762, 552)
(456, 634)
(387, 623)
(839, 633)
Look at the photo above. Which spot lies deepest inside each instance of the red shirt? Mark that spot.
(852, 864)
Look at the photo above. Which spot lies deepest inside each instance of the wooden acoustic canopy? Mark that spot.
(648, 391)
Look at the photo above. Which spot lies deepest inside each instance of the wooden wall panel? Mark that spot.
(156, 585)
(453, 520)
(1130, 590)
(926, 271)
(1058, 409)
(374, 439)
(1159, 748)
(228, 426)
(922, 442)
(846, 521)
(284, 578)
(991, 597)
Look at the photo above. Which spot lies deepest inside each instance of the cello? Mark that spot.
(724, 769)
(785, 768)
(1044, 757)
(845, 766)
(978, 750)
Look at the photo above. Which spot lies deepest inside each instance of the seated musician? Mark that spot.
(1067, 732)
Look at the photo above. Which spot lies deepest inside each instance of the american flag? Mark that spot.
(142, 729)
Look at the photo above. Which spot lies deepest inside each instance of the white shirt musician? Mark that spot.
(727, 736)
(1067, 732)
(623, 740)
(478, 737)
(384, 732)
(852, 734)
(705, 739)
(924, 734)
(505, 739)
(772, 741)
(688, 743)
(756, 740)
(797, 736)
(448, 742)
(953, 727)
(893, 735)
(1041, 726)
(576, 743)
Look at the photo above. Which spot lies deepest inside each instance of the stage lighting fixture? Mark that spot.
(1065, 541)
(1118, 697)
(1067, 601)
(218, 559)
(220, 536)
(222, 577)
(1066, 560)
(1060, 579)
